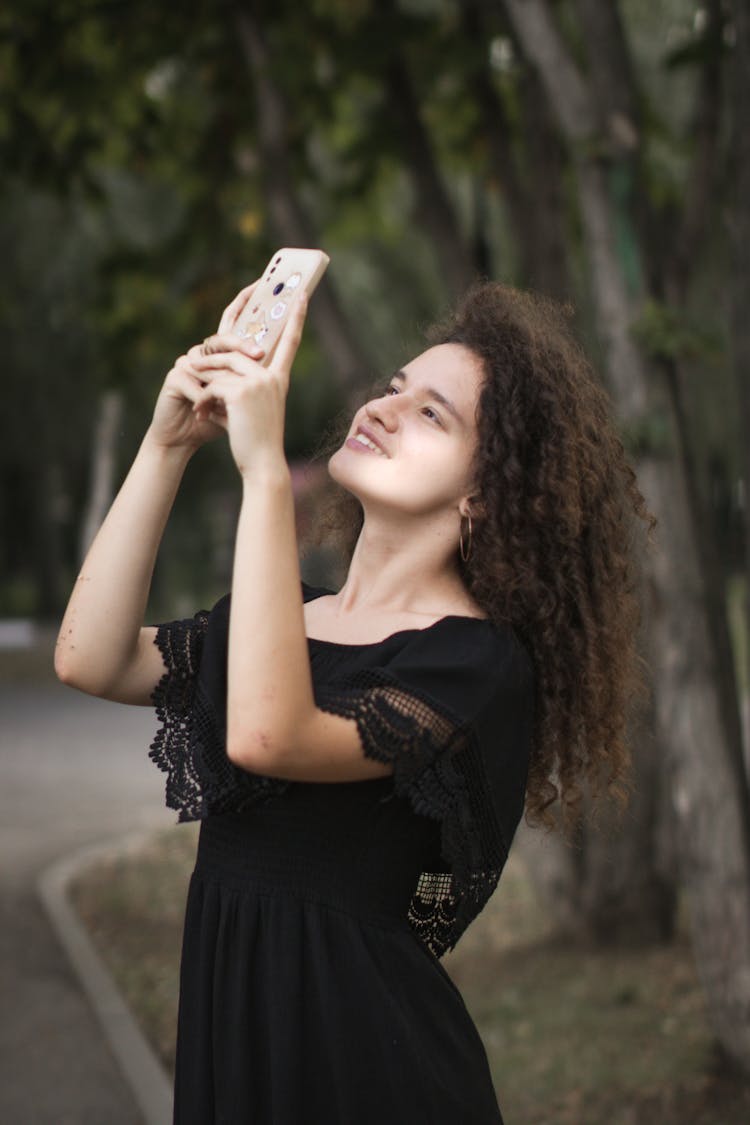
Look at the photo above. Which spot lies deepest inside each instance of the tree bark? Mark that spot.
(702, 180)
(288, 217)
(531, 188)
(613, 885)
(740, 242)
(102, 470)
(673, 273)
(51, 580)
(631, 859)
(437, 214)
(708, 801)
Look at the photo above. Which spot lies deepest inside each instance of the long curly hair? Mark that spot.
(556, 552)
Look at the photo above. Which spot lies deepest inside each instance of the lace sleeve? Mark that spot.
(438, 765)
(190, 745)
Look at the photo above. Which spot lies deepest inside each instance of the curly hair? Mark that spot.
(555, 550)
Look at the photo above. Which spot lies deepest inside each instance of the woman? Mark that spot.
(360, 759)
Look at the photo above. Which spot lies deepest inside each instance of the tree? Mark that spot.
(740, 241)
(709, 790)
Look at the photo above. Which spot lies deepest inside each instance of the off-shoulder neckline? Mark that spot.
(391, 636)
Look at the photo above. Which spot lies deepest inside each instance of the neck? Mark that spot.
(407, 567)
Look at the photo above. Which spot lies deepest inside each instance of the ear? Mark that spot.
(474, 505)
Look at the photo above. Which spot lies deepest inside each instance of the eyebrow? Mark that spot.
(432, 393)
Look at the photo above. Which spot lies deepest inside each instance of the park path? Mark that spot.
(73, 771)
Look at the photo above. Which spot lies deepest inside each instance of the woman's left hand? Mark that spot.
(254, 397)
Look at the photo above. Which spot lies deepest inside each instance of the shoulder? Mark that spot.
(467, 664)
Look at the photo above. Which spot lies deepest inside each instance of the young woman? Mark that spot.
(360, 759)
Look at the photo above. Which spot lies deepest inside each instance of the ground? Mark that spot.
(575, 1036)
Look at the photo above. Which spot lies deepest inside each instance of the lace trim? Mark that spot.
(438, 766)
(189, 746)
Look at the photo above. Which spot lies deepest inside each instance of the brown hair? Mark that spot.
(554, 551)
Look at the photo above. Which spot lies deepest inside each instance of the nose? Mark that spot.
(382, 410)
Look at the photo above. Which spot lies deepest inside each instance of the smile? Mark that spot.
(361, 441)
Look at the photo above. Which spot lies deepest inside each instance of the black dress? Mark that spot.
(311, 992)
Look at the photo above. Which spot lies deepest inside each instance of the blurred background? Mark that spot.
(597, 150)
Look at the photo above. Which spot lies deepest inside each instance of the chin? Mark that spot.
(336, 468)
(347, 477)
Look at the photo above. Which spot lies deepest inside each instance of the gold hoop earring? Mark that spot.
(465, 552)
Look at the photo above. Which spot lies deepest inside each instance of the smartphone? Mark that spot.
(290, 272)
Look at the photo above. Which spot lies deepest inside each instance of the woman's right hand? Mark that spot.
(174, 424)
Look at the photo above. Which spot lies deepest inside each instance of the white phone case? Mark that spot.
(290, 272)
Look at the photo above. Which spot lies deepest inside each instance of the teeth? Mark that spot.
(370, 444)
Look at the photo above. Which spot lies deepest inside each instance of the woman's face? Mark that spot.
(424, 425)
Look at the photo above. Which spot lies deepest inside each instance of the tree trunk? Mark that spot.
(631, 859)
(706, 791)
(437, 214)
(740, 242)
(288, 217)
(613, 886)
(102, 469)
(51, 579)
(674, 274)
(614, 96)
(628, 893)
(532, 189)
(544, 192)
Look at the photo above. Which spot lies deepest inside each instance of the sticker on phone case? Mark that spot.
(293, 280)
(258, 331)
(278, 310)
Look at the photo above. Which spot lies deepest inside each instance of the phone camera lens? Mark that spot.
(277, 288)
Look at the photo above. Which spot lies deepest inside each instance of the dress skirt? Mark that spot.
(306, 997)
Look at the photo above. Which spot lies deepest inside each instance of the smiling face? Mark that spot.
(425, 432)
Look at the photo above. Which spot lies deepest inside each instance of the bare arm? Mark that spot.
(273, 724)
(103, 647)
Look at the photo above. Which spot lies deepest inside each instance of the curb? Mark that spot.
(147, 1078)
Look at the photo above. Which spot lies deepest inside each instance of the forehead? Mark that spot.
(451, 369)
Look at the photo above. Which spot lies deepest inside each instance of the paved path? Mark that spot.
(73, 770)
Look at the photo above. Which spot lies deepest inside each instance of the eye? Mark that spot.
(427, 409)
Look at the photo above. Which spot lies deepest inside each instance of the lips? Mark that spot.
(369, 434)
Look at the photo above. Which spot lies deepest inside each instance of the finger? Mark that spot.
(184, 384)
(233, 310)
(187, 365)
(234, 363)
(194, 352)
(208, 404)
(218, 391)
(289, 340)
(223, 342)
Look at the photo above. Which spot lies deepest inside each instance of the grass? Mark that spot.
(133, 908)
(574, 1036)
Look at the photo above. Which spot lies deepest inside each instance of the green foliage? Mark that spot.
(668, 333)
(651, 435)
(137, 205)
